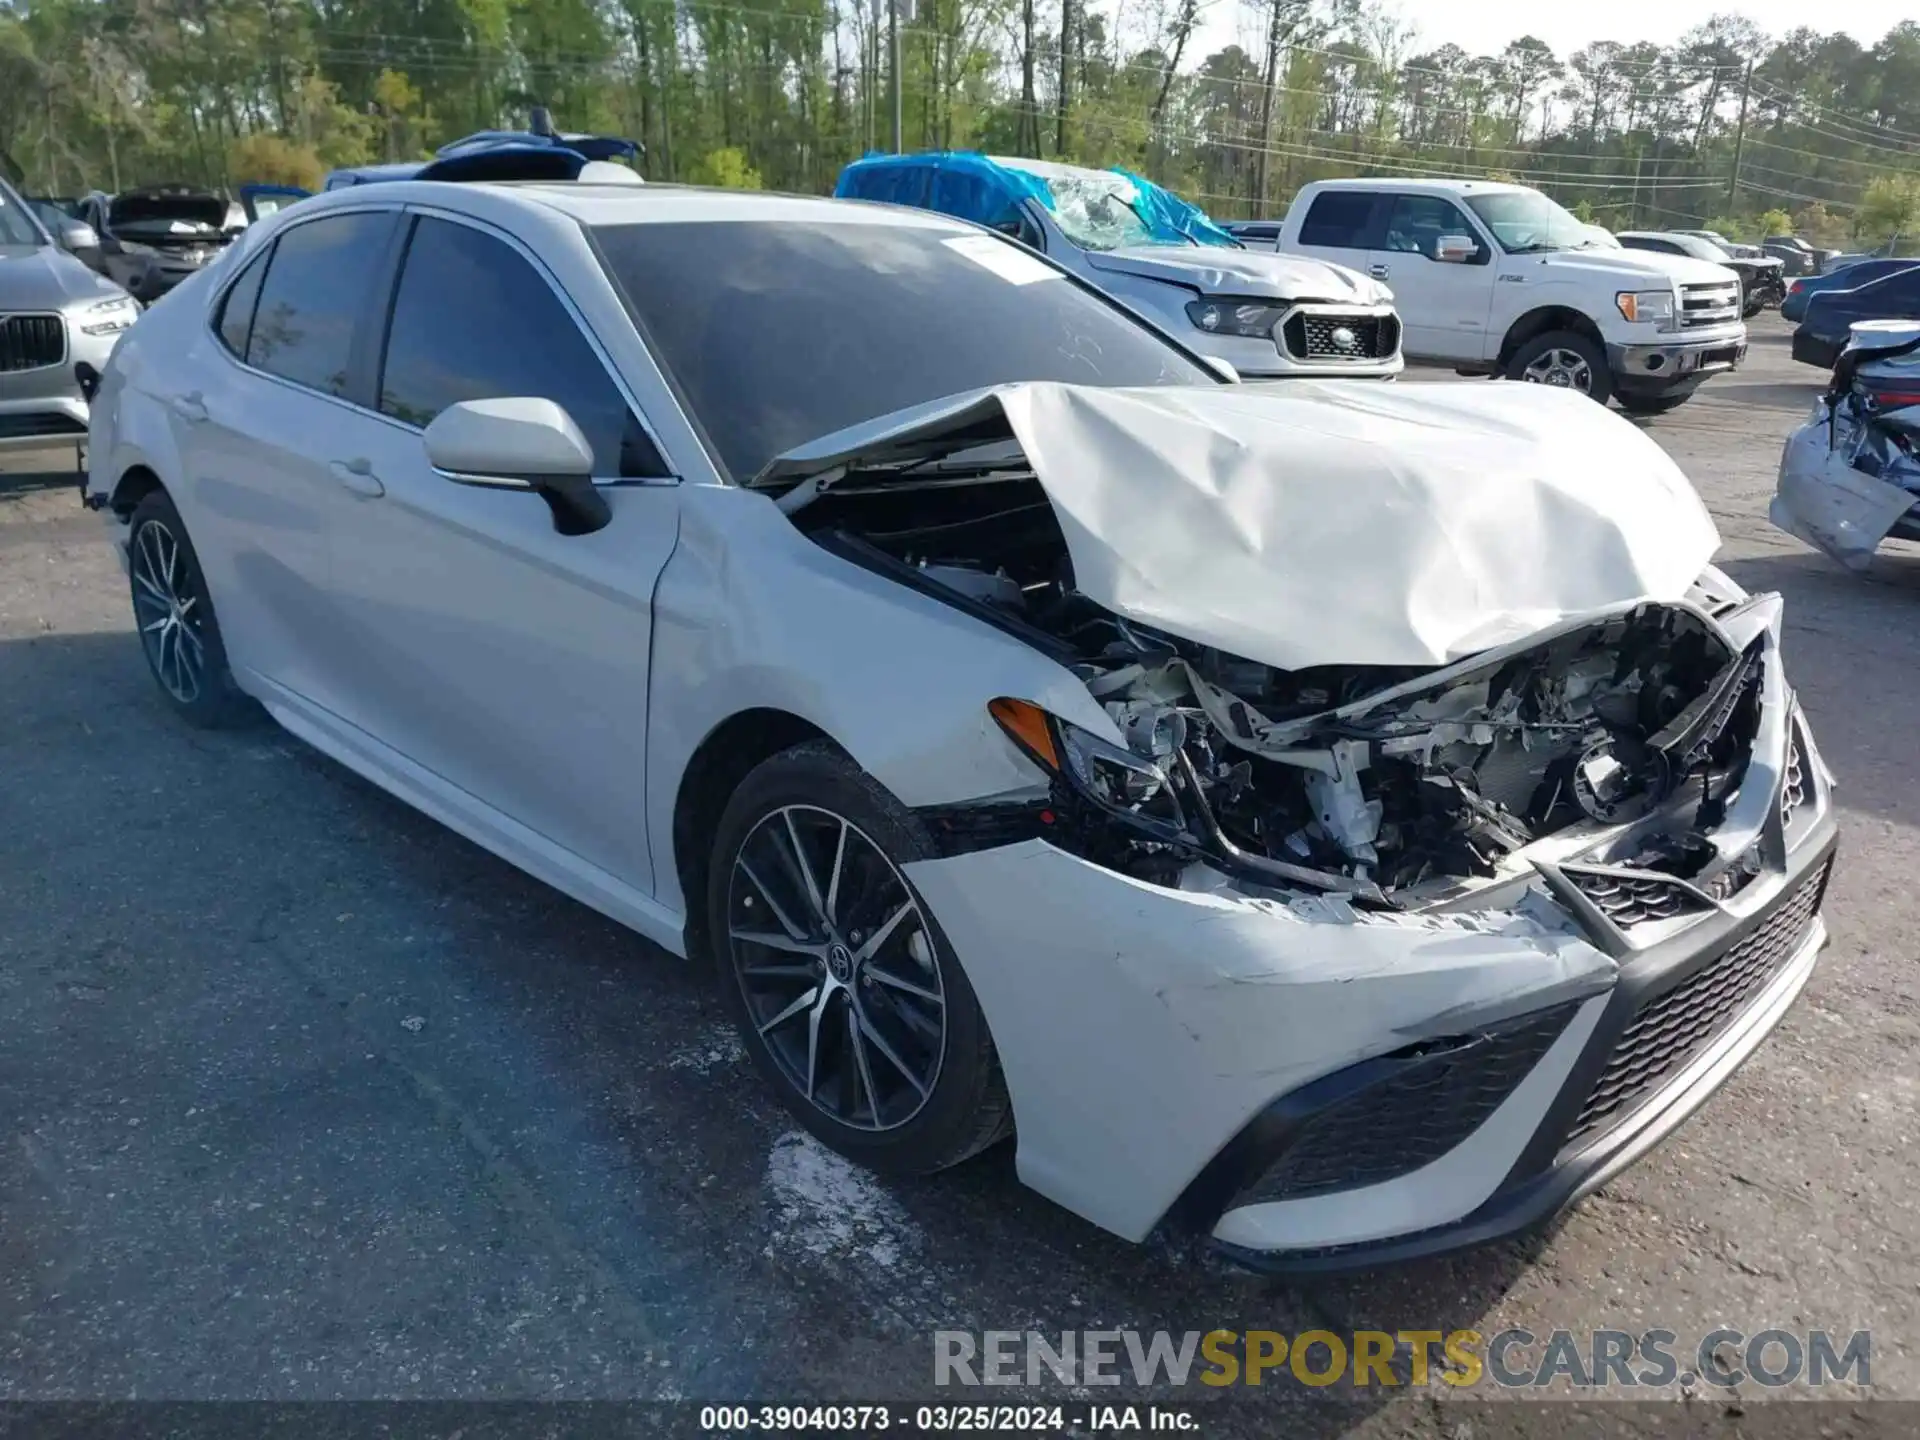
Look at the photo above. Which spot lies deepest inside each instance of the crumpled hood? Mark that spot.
(1328, 522)
(43, 277)
(1260, 274)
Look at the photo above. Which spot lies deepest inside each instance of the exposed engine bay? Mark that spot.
(1396, 786)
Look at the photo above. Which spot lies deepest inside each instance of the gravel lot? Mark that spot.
(301, 1096)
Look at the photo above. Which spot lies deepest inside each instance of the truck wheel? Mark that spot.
(1644, 404)
(1566, 359)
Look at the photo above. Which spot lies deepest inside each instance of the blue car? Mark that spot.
(1848, 277)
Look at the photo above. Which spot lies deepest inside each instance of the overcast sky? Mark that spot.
(1485, 26)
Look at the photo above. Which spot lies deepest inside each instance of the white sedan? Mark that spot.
(1345, 821)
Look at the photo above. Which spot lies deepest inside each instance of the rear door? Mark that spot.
(1443, 304)
(255, 405)
(504, 657)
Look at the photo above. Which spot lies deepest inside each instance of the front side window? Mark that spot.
(311, 296)
(779, 333)
(1416, 224)
(473, 320)
(16, 225)
(1525, 222)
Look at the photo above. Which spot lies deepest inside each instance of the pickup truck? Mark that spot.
(1497, 279)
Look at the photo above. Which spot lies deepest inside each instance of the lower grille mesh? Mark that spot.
(1671, 1028)
(1411, 1118)
(1341, 337)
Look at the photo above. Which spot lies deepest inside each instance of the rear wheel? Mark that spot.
(1566, 360)
(174, 616)
(846, 993)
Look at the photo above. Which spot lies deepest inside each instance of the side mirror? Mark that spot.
(1223, 368)
(78, 237)
(521, 442)
(1455, 249)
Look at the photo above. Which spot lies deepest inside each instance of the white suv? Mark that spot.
(1499, 280)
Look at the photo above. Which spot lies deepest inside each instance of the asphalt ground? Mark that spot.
(304, 1097)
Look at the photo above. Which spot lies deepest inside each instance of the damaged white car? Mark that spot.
(1344, 821)
(1850, 477)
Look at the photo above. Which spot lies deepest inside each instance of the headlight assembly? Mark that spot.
(1125, 784)
(1646, 307)
(1253, 319)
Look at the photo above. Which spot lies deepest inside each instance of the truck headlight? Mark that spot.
(1646, 307)
(1253, 319)
(110, 316)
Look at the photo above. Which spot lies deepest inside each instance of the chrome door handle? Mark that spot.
(190, 407)
(358, 476)
(1379, 272)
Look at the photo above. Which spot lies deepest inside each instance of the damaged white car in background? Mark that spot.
(1342, 821)
(1850, 476)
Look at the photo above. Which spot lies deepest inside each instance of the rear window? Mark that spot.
(1338, 218)
(776, 334)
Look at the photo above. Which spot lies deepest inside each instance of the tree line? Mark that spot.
(1730, 127)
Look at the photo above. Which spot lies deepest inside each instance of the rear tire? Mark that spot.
(173, 615)
(847, 995)
(1566, 360)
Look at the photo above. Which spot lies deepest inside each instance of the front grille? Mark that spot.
(1629, 900)
(29, 342)
(1671, 1028)
(53, 423)
(1793, 790)
(1413, 1117)
(1717, 303)
(1311, 335)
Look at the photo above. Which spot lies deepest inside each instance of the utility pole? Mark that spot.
(893, 66)
(1639, 153)
(1739, 137)
(1066, 79)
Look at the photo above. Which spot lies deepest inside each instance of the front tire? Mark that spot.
(1566, 360)
(847, 995)
(173, 614)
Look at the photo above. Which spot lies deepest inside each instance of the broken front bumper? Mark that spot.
(1821, 499)
(1318, 1087)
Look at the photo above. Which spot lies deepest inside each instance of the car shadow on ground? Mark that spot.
(592, 1079)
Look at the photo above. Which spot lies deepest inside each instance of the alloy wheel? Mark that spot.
(835, 959)
(1567, 369)
(168, 609)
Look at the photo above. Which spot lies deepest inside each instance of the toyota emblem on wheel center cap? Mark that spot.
(839, 961)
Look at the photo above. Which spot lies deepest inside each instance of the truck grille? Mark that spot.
(1671, 1028)
(1717, 303)
(1414, 1116)
(29, 342)
(1322, 335)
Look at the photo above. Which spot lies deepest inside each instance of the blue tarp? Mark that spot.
(979, 188)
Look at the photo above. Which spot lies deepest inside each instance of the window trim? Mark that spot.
(217, 305)
(383, 330)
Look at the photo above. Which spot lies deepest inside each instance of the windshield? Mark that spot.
(778, 333)
(16, 225)
(1526, 222)
(1108, 210)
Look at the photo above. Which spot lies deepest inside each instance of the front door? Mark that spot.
(504, 657)
(1443, 304)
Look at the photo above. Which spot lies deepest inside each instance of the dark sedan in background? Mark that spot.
(1861, 272)
(1831, 314)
